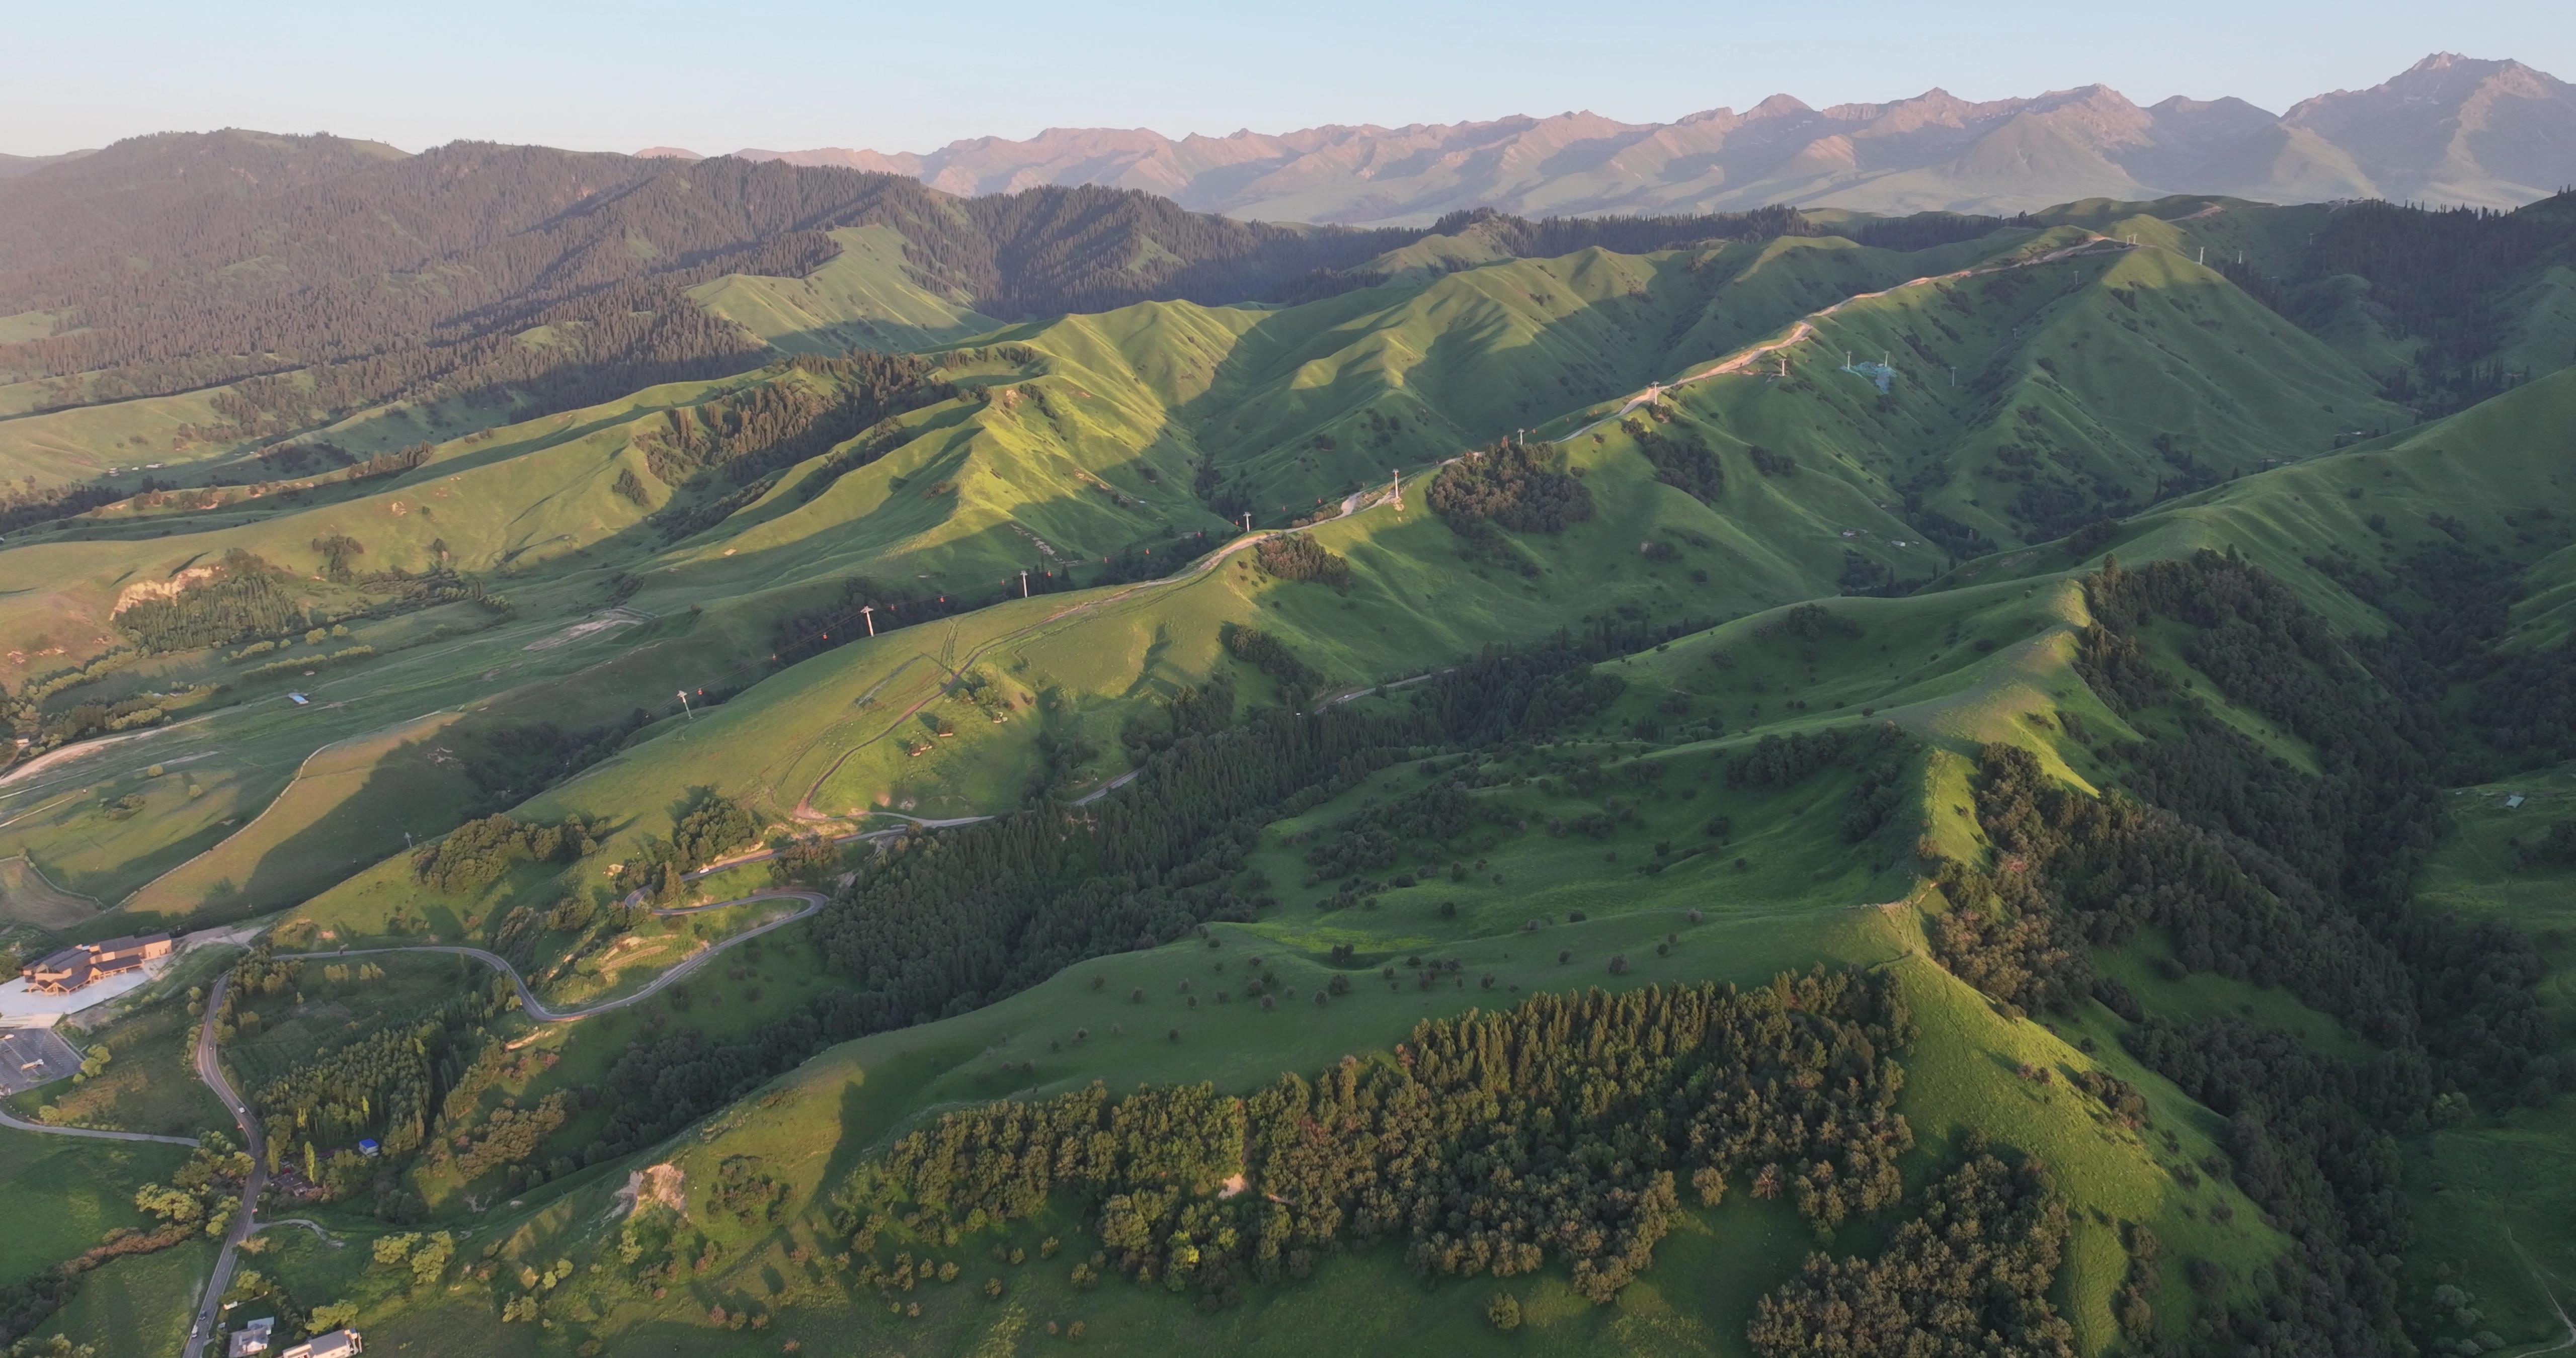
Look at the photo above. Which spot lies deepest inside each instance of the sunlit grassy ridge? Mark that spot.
(2496, 472)
(862, 298)
(1101, 434)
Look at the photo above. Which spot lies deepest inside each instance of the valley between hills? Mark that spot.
(784, 760)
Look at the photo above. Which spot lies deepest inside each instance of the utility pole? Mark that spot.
(1024, 584)
(684, 705)
(1399, 489)
(870, 614)
(1247, 520)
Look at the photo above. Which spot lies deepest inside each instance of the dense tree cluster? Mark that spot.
(711, 826)
(2260, 871)
(1427, 823)
(80, 721)
(802, 408)
(512, 1135)
(1297, 556)
(1808, 624)
(243, 598)
(475, 854)
(2308, 1137)
(1513, 485)
(1565, 1128)
(1272, 657)
(1680, 461)
(21, 507)
(2446, 276)
(948, 922)
(1966, 1277)
(247, 598)
(2451, 611)
(382, 1085)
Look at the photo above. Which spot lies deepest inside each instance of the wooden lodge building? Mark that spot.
(63, 972)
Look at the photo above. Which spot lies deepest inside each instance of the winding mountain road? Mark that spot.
(536, 1009)
(209, 1066)
(211, 1070)
(1805, 327)
(94, 1133)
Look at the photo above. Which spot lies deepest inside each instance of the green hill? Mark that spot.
(1793, 803)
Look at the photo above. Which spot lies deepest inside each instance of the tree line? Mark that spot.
(800, 408)
(1512, 485)
(2264, 873)
(474, 855)
(1564, 1129)
(1967, 1273)
(943, 923)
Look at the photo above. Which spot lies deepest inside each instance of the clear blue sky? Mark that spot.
(793, 73)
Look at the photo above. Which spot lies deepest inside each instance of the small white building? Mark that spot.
(336, 1344)
(251, 1338)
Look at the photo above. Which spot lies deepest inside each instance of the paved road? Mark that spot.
(1363, 499)
(536, 1008)
(1742, 358)
(210, 1068)
(95, 1133)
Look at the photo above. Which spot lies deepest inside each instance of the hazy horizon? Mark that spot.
(588, 77)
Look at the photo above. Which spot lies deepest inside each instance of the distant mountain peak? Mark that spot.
(2450, 128)
(668, 153)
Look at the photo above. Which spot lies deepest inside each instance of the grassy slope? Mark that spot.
(1956, 693)
(63, 1193)
(2491, 468)
(1413, 607)
(1795, 901)
(2083, 364)
(2495, 1197)
(1087, 451)
(862, 299)
(82, 443)
(142, 1303)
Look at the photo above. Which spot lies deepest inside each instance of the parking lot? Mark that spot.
(33, 1056)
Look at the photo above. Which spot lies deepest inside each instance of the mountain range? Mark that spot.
(756, 758)
(2450, 129)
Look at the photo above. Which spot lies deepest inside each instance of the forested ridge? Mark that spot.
(1562, 1130)
(2450, 278)
(319, 276)
(2275, 789)
(2258, 871)
(942, 923)
(805, 407)
(1968, 1273)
